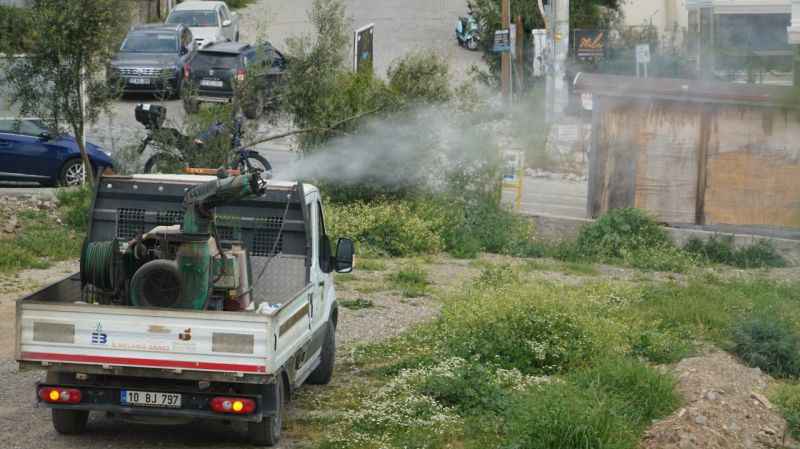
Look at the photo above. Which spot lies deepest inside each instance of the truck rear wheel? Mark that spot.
(268, 431)
(70, 422)
(323, 373)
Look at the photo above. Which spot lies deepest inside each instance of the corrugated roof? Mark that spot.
(687, 90)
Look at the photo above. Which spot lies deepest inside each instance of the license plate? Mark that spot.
(138, 81)
(150, 399)
(211, 83)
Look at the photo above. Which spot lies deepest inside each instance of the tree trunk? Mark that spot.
(87, 164)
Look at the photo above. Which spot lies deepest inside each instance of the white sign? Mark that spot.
(512, 165)
(643, 54)
(567, 133)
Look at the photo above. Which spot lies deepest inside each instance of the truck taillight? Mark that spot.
(236, 406)
(56, 395)
(240, 75)
(186, 72)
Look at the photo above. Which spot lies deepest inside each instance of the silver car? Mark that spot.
(209, 21)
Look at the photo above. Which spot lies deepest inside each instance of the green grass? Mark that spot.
(525, 363)
(356, 304)
(371, 265)
(39, 242)
(411, 281)
(787, 397)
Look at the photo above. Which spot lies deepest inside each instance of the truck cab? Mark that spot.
(105, 354)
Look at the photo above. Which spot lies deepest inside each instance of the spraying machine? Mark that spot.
(176, 266)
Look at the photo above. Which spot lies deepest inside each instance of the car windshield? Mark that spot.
(194, 18)
(150, 43)
(215, 61)
(33, 127)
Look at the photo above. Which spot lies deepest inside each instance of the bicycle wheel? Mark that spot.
(163, 163)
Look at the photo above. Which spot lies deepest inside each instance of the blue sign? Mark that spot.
(502, 41)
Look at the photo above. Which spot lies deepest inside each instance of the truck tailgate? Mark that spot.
(235, 342)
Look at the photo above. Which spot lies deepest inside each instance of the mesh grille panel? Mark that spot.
(170, 217)
(130, 223)
(264, 241)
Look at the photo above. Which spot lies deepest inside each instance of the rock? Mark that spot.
(761, 399)
(711, 395)
(681, 412)
(10, 225)
(769, 430)
(700, 420)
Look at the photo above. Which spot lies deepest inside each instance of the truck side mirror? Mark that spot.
(345, 252)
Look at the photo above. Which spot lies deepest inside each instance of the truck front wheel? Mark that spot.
(268, 431)
(70, 422)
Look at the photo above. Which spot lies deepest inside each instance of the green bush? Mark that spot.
(787, 398)
(641, 393)
(384, 228)
(412, 281)
(660, 346)
(620, 232)
(512, 331)
(721, 249)
(73, 206)
(565, 416)
(770, 343)
(420, 77)
(468, 387)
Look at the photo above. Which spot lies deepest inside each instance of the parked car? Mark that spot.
(219, 66)
(153, 59)
(210, 21)
(30, 153)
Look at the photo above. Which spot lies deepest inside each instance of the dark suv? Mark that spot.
(217, 68)
(153, 59)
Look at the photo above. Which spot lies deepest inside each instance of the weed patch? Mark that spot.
(787, 398)
(356, 304)
(770, 343)
(40, 241)
(371, 265)
(412, 281)
(720, 249)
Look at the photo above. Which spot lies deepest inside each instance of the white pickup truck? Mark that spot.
(182, 364)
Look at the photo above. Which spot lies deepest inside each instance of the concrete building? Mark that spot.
(741, 40)
(665, 15)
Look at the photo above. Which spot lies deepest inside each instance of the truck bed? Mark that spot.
(54, 327)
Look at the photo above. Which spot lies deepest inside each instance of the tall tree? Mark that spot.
(61, 78)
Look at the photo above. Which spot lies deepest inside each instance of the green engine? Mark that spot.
(178, 266)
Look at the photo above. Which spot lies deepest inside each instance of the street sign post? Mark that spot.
(502, 41)
(642, 58)
(513, 166)
(363, 48)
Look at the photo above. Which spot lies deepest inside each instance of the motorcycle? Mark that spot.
(468, 33)
(175, 150)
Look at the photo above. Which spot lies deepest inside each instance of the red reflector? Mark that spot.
(240, 75)
(236, 406)
(186, 72)
(56, 395)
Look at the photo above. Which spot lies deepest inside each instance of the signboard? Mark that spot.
(502, 41)
(643, 54)
(513, 166)
(539, 46)
(363, 48)
(589, 44)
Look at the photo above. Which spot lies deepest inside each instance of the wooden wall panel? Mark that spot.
(753, 167)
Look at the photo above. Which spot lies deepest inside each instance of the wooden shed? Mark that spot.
(694, 152)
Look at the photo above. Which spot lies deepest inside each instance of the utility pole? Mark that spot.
(558, 37)
(505, 57)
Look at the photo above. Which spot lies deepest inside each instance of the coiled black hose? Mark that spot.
(97, 264)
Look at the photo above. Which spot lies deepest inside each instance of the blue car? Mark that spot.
(30, 153)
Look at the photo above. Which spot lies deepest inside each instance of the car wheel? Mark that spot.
(73, 173)
(268, 431)
(323, 373)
